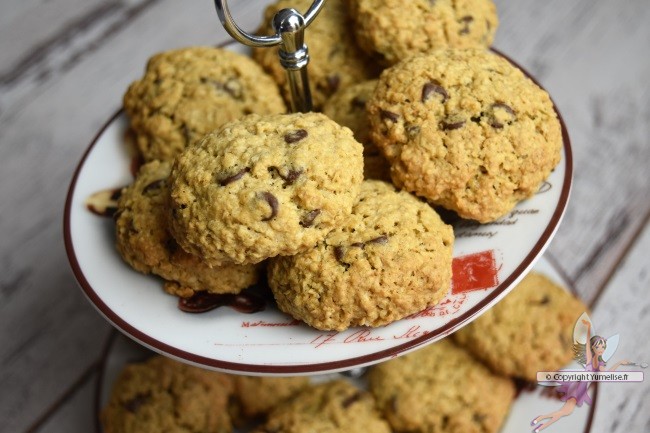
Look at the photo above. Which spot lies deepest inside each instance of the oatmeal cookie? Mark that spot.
(162, 395)
(335, 60)
(264, 186)
(330, 407)
(530, 330)
(465, 129)
(440, 388)
(186, 93)
(258, 395)
(347, 107)
(390, 258)
(394, 30)
(144, 242)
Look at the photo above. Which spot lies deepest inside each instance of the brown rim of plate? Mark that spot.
(114, 335)
(344, 364)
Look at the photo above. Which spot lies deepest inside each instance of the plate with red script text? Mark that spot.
(529, 402)
(488, 260)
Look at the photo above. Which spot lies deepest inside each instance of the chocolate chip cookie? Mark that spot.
(144, 241)
(390, 258)
(440, 388)
(335, 60)
(466, 130)
(162, 395)
(394, 30)
(264, 186)
(258, 395)
(331, 407)
(347, 107)
(187, 93)
(530, 330)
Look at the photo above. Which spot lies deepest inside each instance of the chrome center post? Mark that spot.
(289, 26)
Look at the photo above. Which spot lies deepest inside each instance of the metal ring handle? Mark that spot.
(289, 26)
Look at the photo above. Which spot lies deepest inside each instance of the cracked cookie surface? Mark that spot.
(530, 330)
(466, 130)
(145, 243)
(264, 186)
(186, 93)
(393, 30)
(440, 388)
(335, 59)
(390, 258)
(162, 395)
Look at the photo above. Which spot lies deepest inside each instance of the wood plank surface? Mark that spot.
(64, 65)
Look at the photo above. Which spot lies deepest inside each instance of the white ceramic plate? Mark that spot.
(488, 260)
(528, 404)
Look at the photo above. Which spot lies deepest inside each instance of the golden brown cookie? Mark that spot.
(347, 107)
(330, 407)
(264, 186)
(144, 241)
(466, 130)
(258, 395)
(186, 93)
(530, 330)
(162, 395)
(390, 258)
(440, 388)
(335, 60)
(394, 30)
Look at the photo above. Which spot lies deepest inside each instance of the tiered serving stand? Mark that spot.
(489, 260)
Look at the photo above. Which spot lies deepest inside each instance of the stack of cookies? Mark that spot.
(412, 113)
(413, 103)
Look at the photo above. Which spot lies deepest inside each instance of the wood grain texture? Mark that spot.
(48, 330)
(587, 53)
(64, 65)
(624, 308)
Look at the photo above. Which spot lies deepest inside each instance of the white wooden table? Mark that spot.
(64, 65)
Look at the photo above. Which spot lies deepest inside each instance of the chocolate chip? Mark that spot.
(104, 203)
(434, 88)
(351, 400)
(389, 115)
(545, 300)
(201, 302)
(466, 20)
(234, 177)
(234, 88)
(295, 136)
(273, 202)
(381, 240)
(358, 244)
(501, 106)
(155, 185)
(136, 402)
(393, 404)
(171, 245)
(412, 130)
(450, 125)
(479, 417)
(187, 133)
(358, 102)
(333, 82)
(339, 253)
(308, 219)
